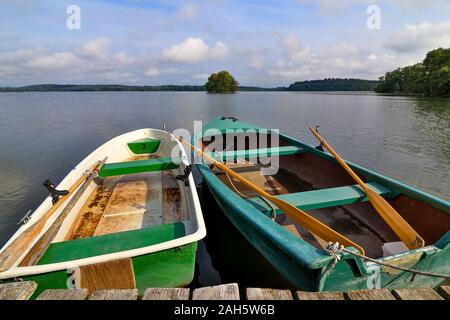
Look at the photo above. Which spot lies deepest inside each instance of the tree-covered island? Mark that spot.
(221, 82)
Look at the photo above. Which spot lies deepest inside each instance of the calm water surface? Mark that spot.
(43, 135)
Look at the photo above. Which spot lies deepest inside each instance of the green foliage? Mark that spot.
(430, 78)
(221, 82)
(334, 84)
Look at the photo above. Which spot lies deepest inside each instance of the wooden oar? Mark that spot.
(403, 230)
(301, 217)
(16, 248)
(46, 239)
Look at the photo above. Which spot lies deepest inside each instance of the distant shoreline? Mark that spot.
(331, 84)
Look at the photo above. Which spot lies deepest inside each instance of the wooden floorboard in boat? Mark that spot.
(92, 210)
(282, 182)
(130, 202)
(338, 219)
(135, 203)
(304, 234)
(267, 183)
(171, 202)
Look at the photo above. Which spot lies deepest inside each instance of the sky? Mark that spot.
(262, 43)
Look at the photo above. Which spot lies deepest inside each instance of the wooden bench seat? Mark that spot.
(138, 166)
(255, 153)
(323, 198)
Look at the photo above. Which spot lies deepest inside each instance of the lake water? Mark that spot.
(44, 135)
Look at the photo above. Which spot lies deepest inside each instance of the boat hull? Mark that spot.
(165, 269)
(149, 236)
(308, 268)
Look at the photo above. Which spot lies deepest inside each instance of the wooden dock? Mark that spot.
(24, 290)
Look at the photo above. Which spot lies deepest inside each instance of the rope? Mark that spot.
(93, 173)
(270, 204)
(335, 249)
(273, 214)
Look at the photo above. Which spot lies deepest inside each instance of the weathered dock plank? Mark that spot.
(24, 290)
(115, 294)
(166, 294)
(305, 295)
(416, 294)
(373, 294)
(444, 291)
(220, 292)
(268, 294)
(17, 290)
(63, 294)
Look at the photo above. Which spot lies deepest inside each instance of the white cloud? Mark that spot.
(219, 51)
(152, 72)
(92, 61)
(420, 38)
(194, 50)
(200, 76)
(98, 48)
(124, 58)
(53, 61)
(420, 4)
(188, 12)
(295, 50)
(333, 5)
(342, 60)
(256, 63)
(155, 72)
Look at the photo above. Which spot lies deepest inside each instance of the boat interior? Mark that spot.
(322, 188)
(129, 202)
(138, 187)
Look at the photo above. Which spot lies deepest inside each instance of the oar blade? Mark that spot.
(13, 252)
(402, 228)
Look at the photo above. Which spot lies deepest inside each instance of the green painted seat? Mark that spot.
(143, 146)
(138, 166)
(255, 153)
(111, 243)
(323, 198)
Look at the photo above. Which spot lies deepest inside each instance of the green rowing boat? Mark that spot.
(312, 180)
(132, 220)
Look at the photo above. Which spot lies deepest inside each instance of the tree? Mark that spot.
(221, 82)
(430, 78)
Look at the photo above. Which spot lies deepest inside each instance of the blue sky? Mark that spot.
(264, 43)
